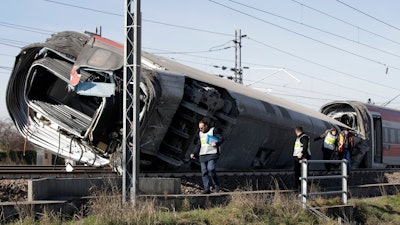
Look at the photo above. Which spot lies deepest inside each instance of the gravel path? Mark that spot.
(16, 190)
(13, 190)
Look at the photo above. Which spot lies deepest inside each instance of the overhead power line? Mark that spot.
(5, 67)
(346, 22)
(190, 52)
(368, 15)
(7, 55)
(10, 45)
(145, 20)
(190, 61)
(26, 28)
(301, 96)
(305, 36)
(318, 29)
(341, 85)
(292, 70)
(188, 28)
(14, 41)
(300, 89)
(321, 65)
(86, 8)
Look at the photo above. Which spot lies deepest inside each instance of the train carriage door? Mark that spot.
(377, 124)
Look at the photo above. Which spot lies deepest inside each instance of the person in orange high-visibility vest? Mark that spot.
(346, 145)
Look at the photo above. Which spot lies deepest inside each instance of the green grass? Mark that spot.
(243, 209)
(381, 210)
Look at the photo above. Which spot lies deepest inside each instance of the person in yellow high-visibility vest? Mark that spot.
(329, 146)
(209, 140)
(301, 151)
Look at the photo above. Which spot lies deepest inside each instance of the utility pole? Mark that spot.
(131, 102)
(238, 56)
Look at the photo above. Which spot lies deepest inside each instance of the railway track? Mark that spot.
(257, 172)
(36, 172)
(14, 179)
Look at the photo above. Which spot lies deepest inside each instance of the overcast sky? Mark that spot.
(306, 51)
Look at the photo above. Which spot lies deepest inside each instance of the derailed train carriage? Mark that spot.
(83, 121)
(377, 128)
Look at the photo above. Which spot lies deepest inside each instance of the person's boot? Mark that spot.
(206, 192)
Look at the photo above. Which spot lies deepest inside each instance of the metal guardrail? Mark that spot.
(304, 178)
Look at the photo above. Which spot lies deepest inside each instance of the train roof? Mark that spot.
(165, 65)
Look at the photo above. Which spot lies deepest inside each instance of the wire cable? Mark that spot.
(346, 22)
(297, 89)
(81, 7)
(221, 45)
(253, 82)
(318, 29)
(26, 28)
(145, 20)
(188, 28)
(340, 85)
(6, 68)
(305, 36)
(14, 41)
(265, 65)
(1, 54)
(321, 65)
(368, 15)
(10, 45)
(190, 52)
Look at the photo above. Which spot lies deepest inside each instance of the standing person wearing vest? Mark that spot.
(210, 139)
(301, 151)
(329, 146)
(346, 144)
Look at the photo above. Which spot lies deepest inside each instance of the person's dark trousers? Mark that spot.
(346, 155)
(297, 172)
(208, 169)
(327, 154)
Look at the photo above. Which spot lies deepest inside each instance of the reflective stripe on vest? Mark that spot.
(206, 149)
(298, 146)
(329, 141)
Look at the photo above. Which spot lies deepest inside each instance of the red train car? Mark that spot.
(377, 129)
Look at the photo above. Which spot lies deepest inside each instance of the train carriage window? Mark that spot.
(385, 135)
(397, 136)
(392, 136)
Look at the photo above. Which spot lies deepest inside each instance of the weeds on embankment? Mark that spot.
(243, 208)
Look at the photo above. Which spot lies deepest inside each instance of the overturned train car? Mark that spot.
(65, 95)
(377, 129)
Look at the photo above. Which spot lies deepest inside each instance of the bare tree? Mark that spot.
(10, 139)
